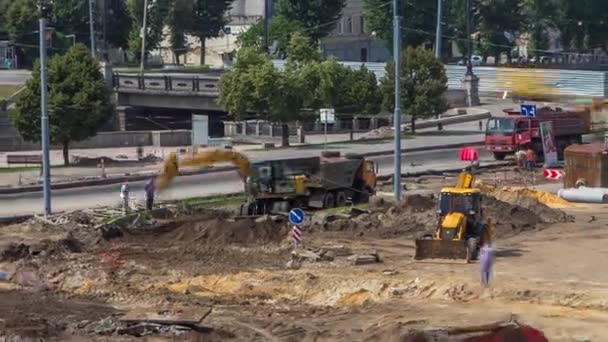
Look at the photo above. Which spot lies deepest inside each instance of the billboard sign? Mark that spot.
(549, 147)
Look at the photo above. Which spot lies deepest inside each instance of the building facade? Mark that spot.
(350, 41)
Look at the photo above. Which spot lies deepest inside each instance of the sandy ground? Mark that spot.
(77, 286)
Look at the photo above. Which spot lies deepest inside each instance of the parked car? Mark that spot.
(475, 61)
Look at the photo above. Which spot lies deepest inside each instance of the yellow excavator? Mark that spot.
(461, 229)
(172, 164)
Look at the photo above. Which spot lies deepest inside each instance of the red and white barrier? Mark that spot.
(553, 173)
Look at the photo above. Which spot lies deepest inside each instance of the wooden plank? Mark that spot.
(186, 317)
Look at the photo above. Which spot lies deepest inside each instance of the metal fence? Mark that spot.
(491, 79)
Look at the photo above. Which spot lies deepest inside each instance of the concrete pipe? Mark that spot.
(584, 195)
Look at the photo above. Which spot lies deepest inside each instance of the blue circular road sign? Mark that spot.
(296, 216)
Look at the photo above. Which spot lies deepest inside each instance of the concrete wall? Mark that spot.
(171, 138)
(108, 140)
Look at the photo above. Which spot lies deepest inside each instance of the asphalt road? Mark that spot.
(202, 185)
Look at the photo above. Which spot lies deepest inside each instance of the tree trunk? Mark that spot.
(203, 50)
(284, 135)
(412, 124)
(66, 153)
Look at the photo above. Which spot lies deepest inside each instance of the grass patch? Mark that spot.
(16, 169)
(341, 210)
(213, 201)
(8, 90)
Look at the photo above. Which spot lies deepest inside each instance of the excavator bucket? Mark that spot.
(432, 250)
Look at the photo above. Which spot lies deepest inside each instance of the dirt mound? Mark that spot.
(223, 232)
(417, 215)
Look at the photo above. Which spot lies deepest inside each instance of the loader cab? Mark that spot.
(460, 200)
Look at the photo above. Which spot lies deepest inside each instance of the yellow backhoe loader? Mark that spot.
(172, 164)
(460, 230)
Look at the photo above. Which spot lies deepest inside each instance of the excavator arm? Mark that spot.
(172, 164)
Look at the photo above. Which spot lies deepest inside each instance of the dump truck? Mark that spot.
(506, 135)
(279, 185)
(461, 229)
(315, 182)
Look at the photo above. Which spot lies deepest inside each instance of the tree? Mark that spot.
(540, 16)
(583, 24)
(179, 21)
(363, 91)
(157, 13)
(497, 22)
(209, 18)
(317, 17)
(280, 30)
(78, 100)
(118, 23)
(419, 18)
(254, 85)
(423, 83)
(22, 26)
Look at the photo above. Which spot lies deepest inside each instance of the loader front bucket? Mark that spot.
(441, 250)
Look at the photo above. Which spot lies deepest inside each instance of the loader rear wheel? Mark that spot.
(329, 200)
(499, 155)
(472, 249)
(340, 199)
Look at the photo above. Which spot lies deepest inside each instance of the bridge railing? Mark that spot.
(173, 83)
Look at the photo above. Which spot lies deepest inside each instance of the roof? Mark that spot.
(461, 191)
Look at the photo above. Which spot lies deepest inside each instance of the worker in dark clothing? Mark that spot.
(149, 189)
(530, 158)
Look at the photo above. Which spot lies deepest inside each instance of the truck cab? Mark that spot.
(504, 135)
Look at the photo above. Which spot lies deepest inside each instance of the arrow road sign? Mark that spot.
(528, 110)
(553, 174)
(296, 216)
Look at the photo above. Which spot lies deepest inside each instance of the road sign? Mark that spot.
(296, 234)
(553, 173)
(296, 216)
(528, 110)
(327, 115)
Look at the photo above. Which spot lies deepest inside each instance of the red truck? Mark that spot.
(506, 135)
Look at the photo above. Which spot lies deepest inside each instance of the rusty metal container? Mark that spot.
(586, 165)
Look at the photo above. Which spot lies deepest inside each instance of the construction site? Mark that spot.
(203, 271)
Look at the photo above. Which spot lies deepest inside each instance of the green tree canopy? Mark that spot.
(280, 31)
(540, 16)
(78, 100)
(208, 20)
(157, 14)
(423, 83)
(317, 17)
(419, 18)
(497, 22)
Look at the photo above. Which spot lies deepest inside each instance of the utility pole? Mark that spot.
(92, 26)
(468, 18)
(143, 38)
(397, 114)
(44, 116)
(438, 33)
(266, 19)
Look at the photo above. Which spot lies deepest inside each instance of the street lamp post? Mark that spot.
(143, 37)
(44, 116)
(438, 33)
(92, 26)
(397, 114)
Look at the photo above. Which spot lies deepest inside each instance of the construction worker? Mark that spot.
(530, 158)
(149, 194)
(124, 195)
(520, 158)
(486, 261)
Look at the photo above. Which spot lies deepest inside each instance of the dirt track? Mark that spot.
(546, 273)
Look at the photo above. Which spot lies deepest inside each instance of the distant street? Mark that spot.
(202, 185)
(14, 77)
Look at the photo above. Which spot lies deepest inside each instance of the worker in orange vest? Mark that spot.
(530, 158)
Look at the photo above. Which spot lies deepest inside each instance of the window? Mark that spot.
(362, 24)
(339, 27)
(502, 125)
(363, 54)
(349, 25)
